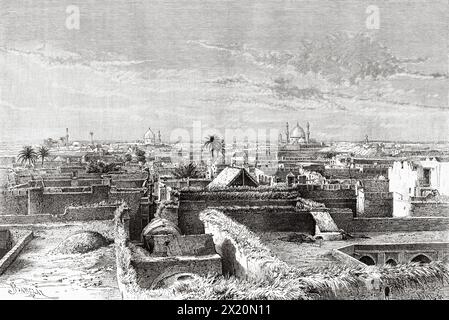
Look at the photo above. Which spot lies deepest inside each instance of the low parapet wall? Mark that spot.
(188, 211)
(271, 218)
(345, 220)
(99, 212)
(429, 209)
(394, 253)
(14, 252)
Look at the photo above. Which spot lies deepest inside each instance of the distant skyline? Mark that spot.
(229, 64)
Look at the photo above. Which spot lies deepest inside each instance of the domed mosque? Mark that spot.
(296, 145)
(296, 136)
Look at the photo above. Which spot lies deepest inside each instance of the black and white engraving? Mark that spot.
(224, 150)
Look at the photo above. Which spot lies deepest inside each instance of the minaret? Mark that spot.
(159, 136)
(308, 132)
(223, 151)
(91, 137)
(66, 136)
(287, 133)
(245, 152)
(257, 151)
(267, 147)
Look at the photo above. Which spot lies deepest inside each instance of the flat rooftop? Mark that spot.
(306, 255)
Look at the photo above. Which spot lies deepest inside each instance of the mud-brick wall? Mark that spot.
(375, 185)
(56, 183)
(132, 199)
(188, 211)
(5, 242)
(429, 209)
(13, 204)
(281, 221)
(376, 206)
(129, 183)
(174, 245)
(342, 217)
(333, 198)
(169, 212)
(40, 202)
(150, 271)
(345, 220)
(55, 203)
(399, 224)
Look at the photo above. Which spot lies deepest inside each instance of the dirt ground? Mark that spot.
(318, 255)
(37, 274)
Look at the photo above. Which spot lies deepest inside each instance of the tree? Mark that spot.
(140, 155)
(101, 167)
(27, 155)
(43, 153)
(329, 154)
(213, 143)
(127, 157)
(187, 171)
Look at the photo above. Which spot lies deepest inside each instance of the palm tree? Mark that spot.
(186, 171)
(213, 143)
(27, 155)
(43, 152)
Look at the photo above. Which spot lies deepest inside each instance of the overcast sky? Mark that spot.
(164, 64)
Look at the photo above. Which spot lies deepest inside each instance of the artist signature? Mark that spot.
(27, 291)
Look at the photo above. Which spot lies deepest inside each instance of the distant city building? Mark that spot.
(296, 145)
(150, 137)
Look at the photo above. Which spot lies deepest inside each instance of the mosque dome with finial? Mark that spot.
(297, 132)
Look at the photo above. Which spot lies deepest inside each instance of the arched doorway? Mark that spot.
(391, 262)
(367, 260)
(421, 258)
